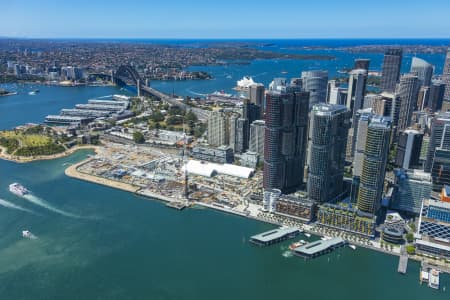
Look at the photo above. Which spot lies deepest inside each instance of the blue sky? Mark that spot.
(225, 19)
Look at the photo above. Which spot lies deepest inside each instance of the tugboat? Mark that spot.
(18, 189)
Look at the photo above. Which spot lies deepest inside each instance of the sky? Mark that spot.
(225, 19)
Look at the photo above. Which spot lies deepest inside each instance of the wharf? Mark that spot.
(318, 248)
(176, 205)
(403, 263)
(274, 236)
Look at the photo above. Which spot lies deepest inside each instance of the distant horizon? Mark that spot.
(232, 19)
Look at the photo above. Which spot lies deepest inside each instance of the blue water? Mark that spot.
(121, 246)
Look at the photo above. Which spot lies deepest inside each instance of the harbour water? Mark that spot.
(110, 244)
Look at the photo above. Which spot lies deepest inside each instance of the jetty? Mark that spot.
(403, 262)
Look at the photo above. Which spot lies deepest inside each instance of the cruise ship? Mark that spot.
(18, 189)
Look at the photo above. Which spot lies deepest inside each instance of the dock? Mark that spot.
(403, 263)
(318, 248)
(274, 236)
(176, 205)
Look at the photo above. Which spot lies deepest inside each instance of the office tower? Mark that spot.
(218, 129)
(436, 97)
(328, 131)
(390, 72)
(423, 98)
(336, 94)
(408, 149)
(250, 111)
(439, 137)
(440, 169)
(374, 165)
(285, 136)
(407, 90)
(446, 76)
(356, 90)
(362, 63)
(257, 137)
(239, 134)
(370, 99)
(412, 189)
(423, 69)
(382, 105)
(362, 124)
(256, 94)
(315, 82)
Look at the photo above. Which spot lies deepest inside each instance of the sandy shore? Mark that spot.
(24, 159)
(74, 173)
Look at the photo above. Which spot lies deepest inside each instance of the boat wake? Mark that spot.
(287, 254)
(8, 204)
(195, 93)
(42, 203)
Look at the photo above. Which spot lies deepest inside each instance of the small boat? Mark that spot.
(352, 246)
(18, 189)
(296, 245)
(28, 235)
(284, 72)
(307, 234)
(33, 92)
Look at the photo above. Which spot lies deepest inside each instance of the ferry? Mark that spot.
(18, 189)
(28, 235)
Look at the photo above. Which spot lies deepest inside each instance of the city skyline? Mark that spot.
(111, 19)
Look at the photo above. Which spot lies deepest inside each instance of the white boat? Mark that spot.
(28, 235)
(18, 189)
(352, 246)
(307, 234)
(325, 238)
(34, 92)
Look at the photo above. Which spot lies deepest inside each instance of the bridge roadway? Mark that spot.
(200, 113)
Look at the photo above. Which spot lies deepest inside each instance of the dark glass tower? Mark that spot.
(285, 138)
(391, 69)
(328, 133)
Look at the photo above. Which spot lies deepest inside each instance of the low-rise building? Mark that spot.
(222, 154)
(347, 219)
(296, 207)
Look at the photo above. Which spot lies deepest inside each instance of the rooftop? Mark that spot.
(274, 234)
(318, 246)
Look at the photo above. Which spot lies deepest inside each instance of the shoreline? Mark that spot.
(27, 159)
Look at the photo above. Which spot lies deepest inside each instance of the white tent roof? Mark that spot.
(210, 169)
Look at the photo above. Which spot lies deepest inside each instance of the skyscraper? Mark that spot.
(407, 90)
(328, 131)
(256, 95)
(356, 90)
(423, 69)
(446, 76)
(374, 165)
(436, 97)
(439, 137)
(218, 129)
(391, 69)
(285, 137)
(363, 119)
(257, 137)
(362, 63)
(315, 82)
(408, 149)
(335, 93)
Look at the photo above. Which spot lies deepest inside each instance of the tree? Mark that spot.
(138, 137)
(410, 237)
(410, 249)
(190, 116)
(157, 116)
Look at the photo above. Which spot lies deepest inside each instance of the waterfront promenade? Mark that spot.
(24, 159)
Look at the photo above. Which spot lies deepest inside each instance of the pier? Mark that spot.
(176, 205)
(274, 236)
(318, 248)
(403, 262)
